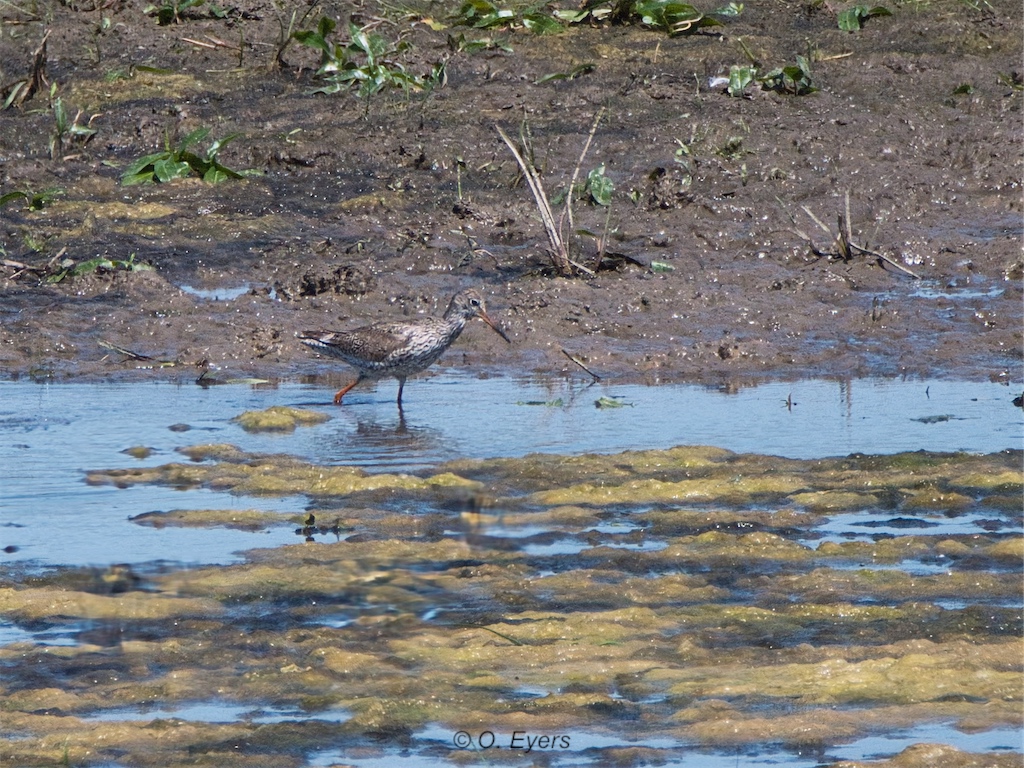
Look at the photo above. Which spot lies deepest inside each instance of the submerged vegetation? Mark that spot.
(688, 598)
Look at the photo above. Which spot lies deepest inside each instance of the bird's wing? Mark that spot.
(373, 343)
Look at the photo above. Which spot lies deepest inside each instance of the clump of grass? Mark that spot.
(793, 79)
(178, 162)
(597, 188)
(462, 44)
(66, 129)
(34, 201)
(669, 16)
(70, 268)
(854, 18)
(483, 14)
(23, 90)
(368, 61)
(173, 11)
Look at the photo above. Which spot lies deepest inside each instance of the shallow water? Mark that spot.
(682, 755)
(51, 434)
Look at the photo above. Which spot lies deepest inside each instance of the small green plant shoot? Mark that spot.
(367, 60)
(178, 162)
(854, 18)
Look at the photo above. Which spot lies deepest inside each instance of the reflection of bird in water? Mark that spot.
(400, 349)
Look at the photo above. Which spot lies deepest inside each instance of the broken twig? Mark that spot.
(581, 365)
(558, 250)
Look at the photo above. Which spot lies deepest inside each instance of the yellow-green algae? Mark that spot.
(45, 603)
(930, 755)
(258, 474)
(740, 479)
(738, 627)
(249, 519)
(279, 418)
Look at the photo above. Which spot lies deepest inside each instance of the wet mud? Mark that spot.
(360, 209)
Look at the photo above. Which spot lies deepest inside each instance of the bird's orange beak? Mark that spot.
(494, 326)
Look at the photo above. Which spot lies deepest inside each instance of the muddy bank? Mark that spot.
(364, 209)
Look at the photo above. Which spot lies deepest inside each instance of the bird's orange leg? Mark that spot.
(341, 392)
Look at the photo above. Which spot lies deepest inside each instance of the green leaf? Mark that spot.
(195, 163)
(17, 88)
(572, 74)
(168, 168)
(600, 186)
(197, 135)
(541, 24)
(130, 180)
(739, 78)
(472, 10)
(793, 78)
(674, 17)
(325, 26)
(9, 196)
(141, 163)
(90, 266)
(573, 17)
(849, 20)
(218, 145)
(215, 175)
(233, 174)
(854, 18)
(153, 70)
(60, 115)
(608, 402)
(312, 39)
(733, 9)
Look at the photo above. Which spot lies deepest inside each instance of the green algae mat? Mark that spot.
(644, 608)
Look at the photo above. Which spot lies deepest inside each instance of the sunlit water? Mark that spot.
(52, 434)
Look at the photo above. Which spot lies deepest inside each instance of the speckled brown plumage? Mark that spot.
(400, 349)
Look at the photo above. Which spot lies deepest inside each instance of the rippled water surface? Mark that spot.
(735, 573)
(51, 434)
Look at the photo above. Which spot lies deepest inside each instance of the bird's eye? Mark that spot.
(475, 302)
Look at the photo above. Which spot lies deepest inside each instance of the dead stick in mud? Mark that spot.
(213, 43)
(815, 219)
(123, 351)
(138, 356)
(542, 202)
(559, 250)
(576, 171)
(38, 71)
(887, 260)
(835, 56)
(20, 268)
(581, 365)
(559, 253)
(844, 239)
(846, 230)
